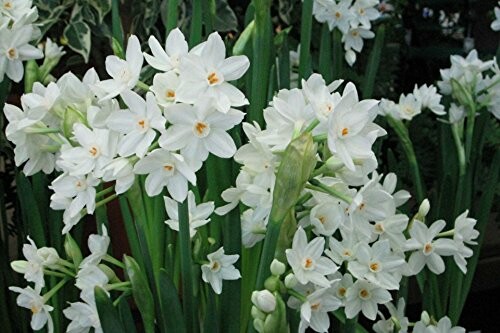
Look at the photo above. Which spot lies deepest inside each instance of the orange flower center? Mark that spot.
(212, 78)
(345, 131)
(308, 263)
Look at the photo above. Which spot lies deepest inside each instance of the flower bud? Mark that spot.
(19, 266)
(272, 283)
(290, 281)
(72, 250)
(257, 314)
(49, 255)
(258, 324)
(276, 321)
(264, 300)
(277, 267)
(425, 318)
(109, 273)
(334, 163)
(424, 208)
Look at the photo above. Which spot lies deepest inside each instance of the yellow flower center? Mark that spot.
(93, 151)
(168, 167)
(341, 292)
(212, 78)
(308, 263)
(201, 129)
(322, 219)
(7, 5)
(363, 293)
(374, 267)
(379, 228)
(170, 94)
(35, 309)
(11, 53)
(345, 131)
(338, 15)
(315, 306)
(428, 248)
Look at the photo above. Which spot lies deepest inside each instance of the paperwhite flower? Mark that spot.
(41, 100)
(83, 316)
(377, 264)
(335, 13)
(456, 113)
(31, 299)
(52, 50)
(138, 124)
(37, 260)
(325, 218)
(199, 215)
(443, 326)
(14, 49)
(464, 234)
(264, 300)
(167, 59)
(220, 267)
(495, 25)
(429, 251)
(124, 73)
(409, 106)
(306, 261)
(364, 12)
(253, 226)
(166, 169)
(314, 312)
(98, 147)
(98, 246)
(206, 76)
(353, 39)
(88, 278)
(342, 251)
(392, 229)
(196, 132)
(396, 314)
(351, 131)
(15, 9)
(429, 98)
(364, 296)
(121, 171)
(340, 286)
(164, 87)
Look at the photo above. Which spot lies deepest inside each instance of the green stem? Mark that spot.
(373, 63)
(190, 317)
(338, 54)
(54, 290)
(404, 137)
(305, 40)
(119, 286)
(113, 261)
(267, 256)
(106, 200)
(325, 53)
(143, 86)
(297, 295)
(461, 167)
(469, 131)
(116, 22)
(318, 186)
(107, 190)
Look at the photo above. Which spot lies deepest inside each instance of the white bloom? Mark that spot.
(306, 261)
(351, 129)
(264, 300)
(364, 296)
(207, 75)
(164, 87)
(31, 299)
(88, 278)
(253, 226)
(121, 171)
(98, 246)
(429, 98)
(14, 49)
(464, 234)
(396, 314)
(364, 11)
(199, 215)
(83, 317)
(409, 106)
(52, 50)
(344, 250)
(495, 25)
(334, 13)
(340, 286)
(392, 228)
(196, 132)
(166, 169)
(220, 267)
(325, 218)
(41, 100)
(314, 312)
(429, 251)
(138, 124)
(124, 73)
(377, 264)
(456, 113)
(98, 147)
(353, 39)
(167, 59)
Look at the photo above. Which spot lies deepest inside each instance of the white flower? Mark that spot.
(344, 250)
(456, 113)
(169, 59)
(83, 317)
(164, 87)
(314, 312)
(138, 124)
(353, 39)
(464, 234)
(41, 100)
(429, 251)
(392, 228)
(98, 147)
(31, 299)
(340, 286)
(377, 265)
(166, 169)
(52, 50)
(37, 260)
(325, 218)
(124, 73)
(443, 326)
(396, 314)
(88, 278)
(121, 171)
(351, 130)
(199, 215)
(220, 267)
(196, 132)
(14, 49)
(364, 11)
(495, 25)
(334, 13)
(264, 300)
(409, 106)
(98, 246)
(207, 75)
(429, 98)
(253, 226)
(306, 261)
(364, 296)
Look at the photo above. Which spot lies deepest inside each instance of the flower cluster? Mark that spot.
(80, 129)
(352, 247)
(88, 273)
(17, 29)
(352, 19)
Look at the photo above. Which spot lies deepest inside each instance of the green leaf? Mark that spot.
(110, 320)
(102, 7)
(30, 210)
(141, 292)
(126, 315)
(77, 35)
(225, 18)
(170, 304)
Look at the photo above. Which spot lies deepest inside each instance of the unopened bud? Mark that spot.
(272, 283)
(49, 255)
(277, 267)
(72, 250)
(264, 300)
(424, 208)
(334, 163)
(258, 324)
(257, 314)
(290, 281)
(19, 266)
(109, 273)
(425, 318)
